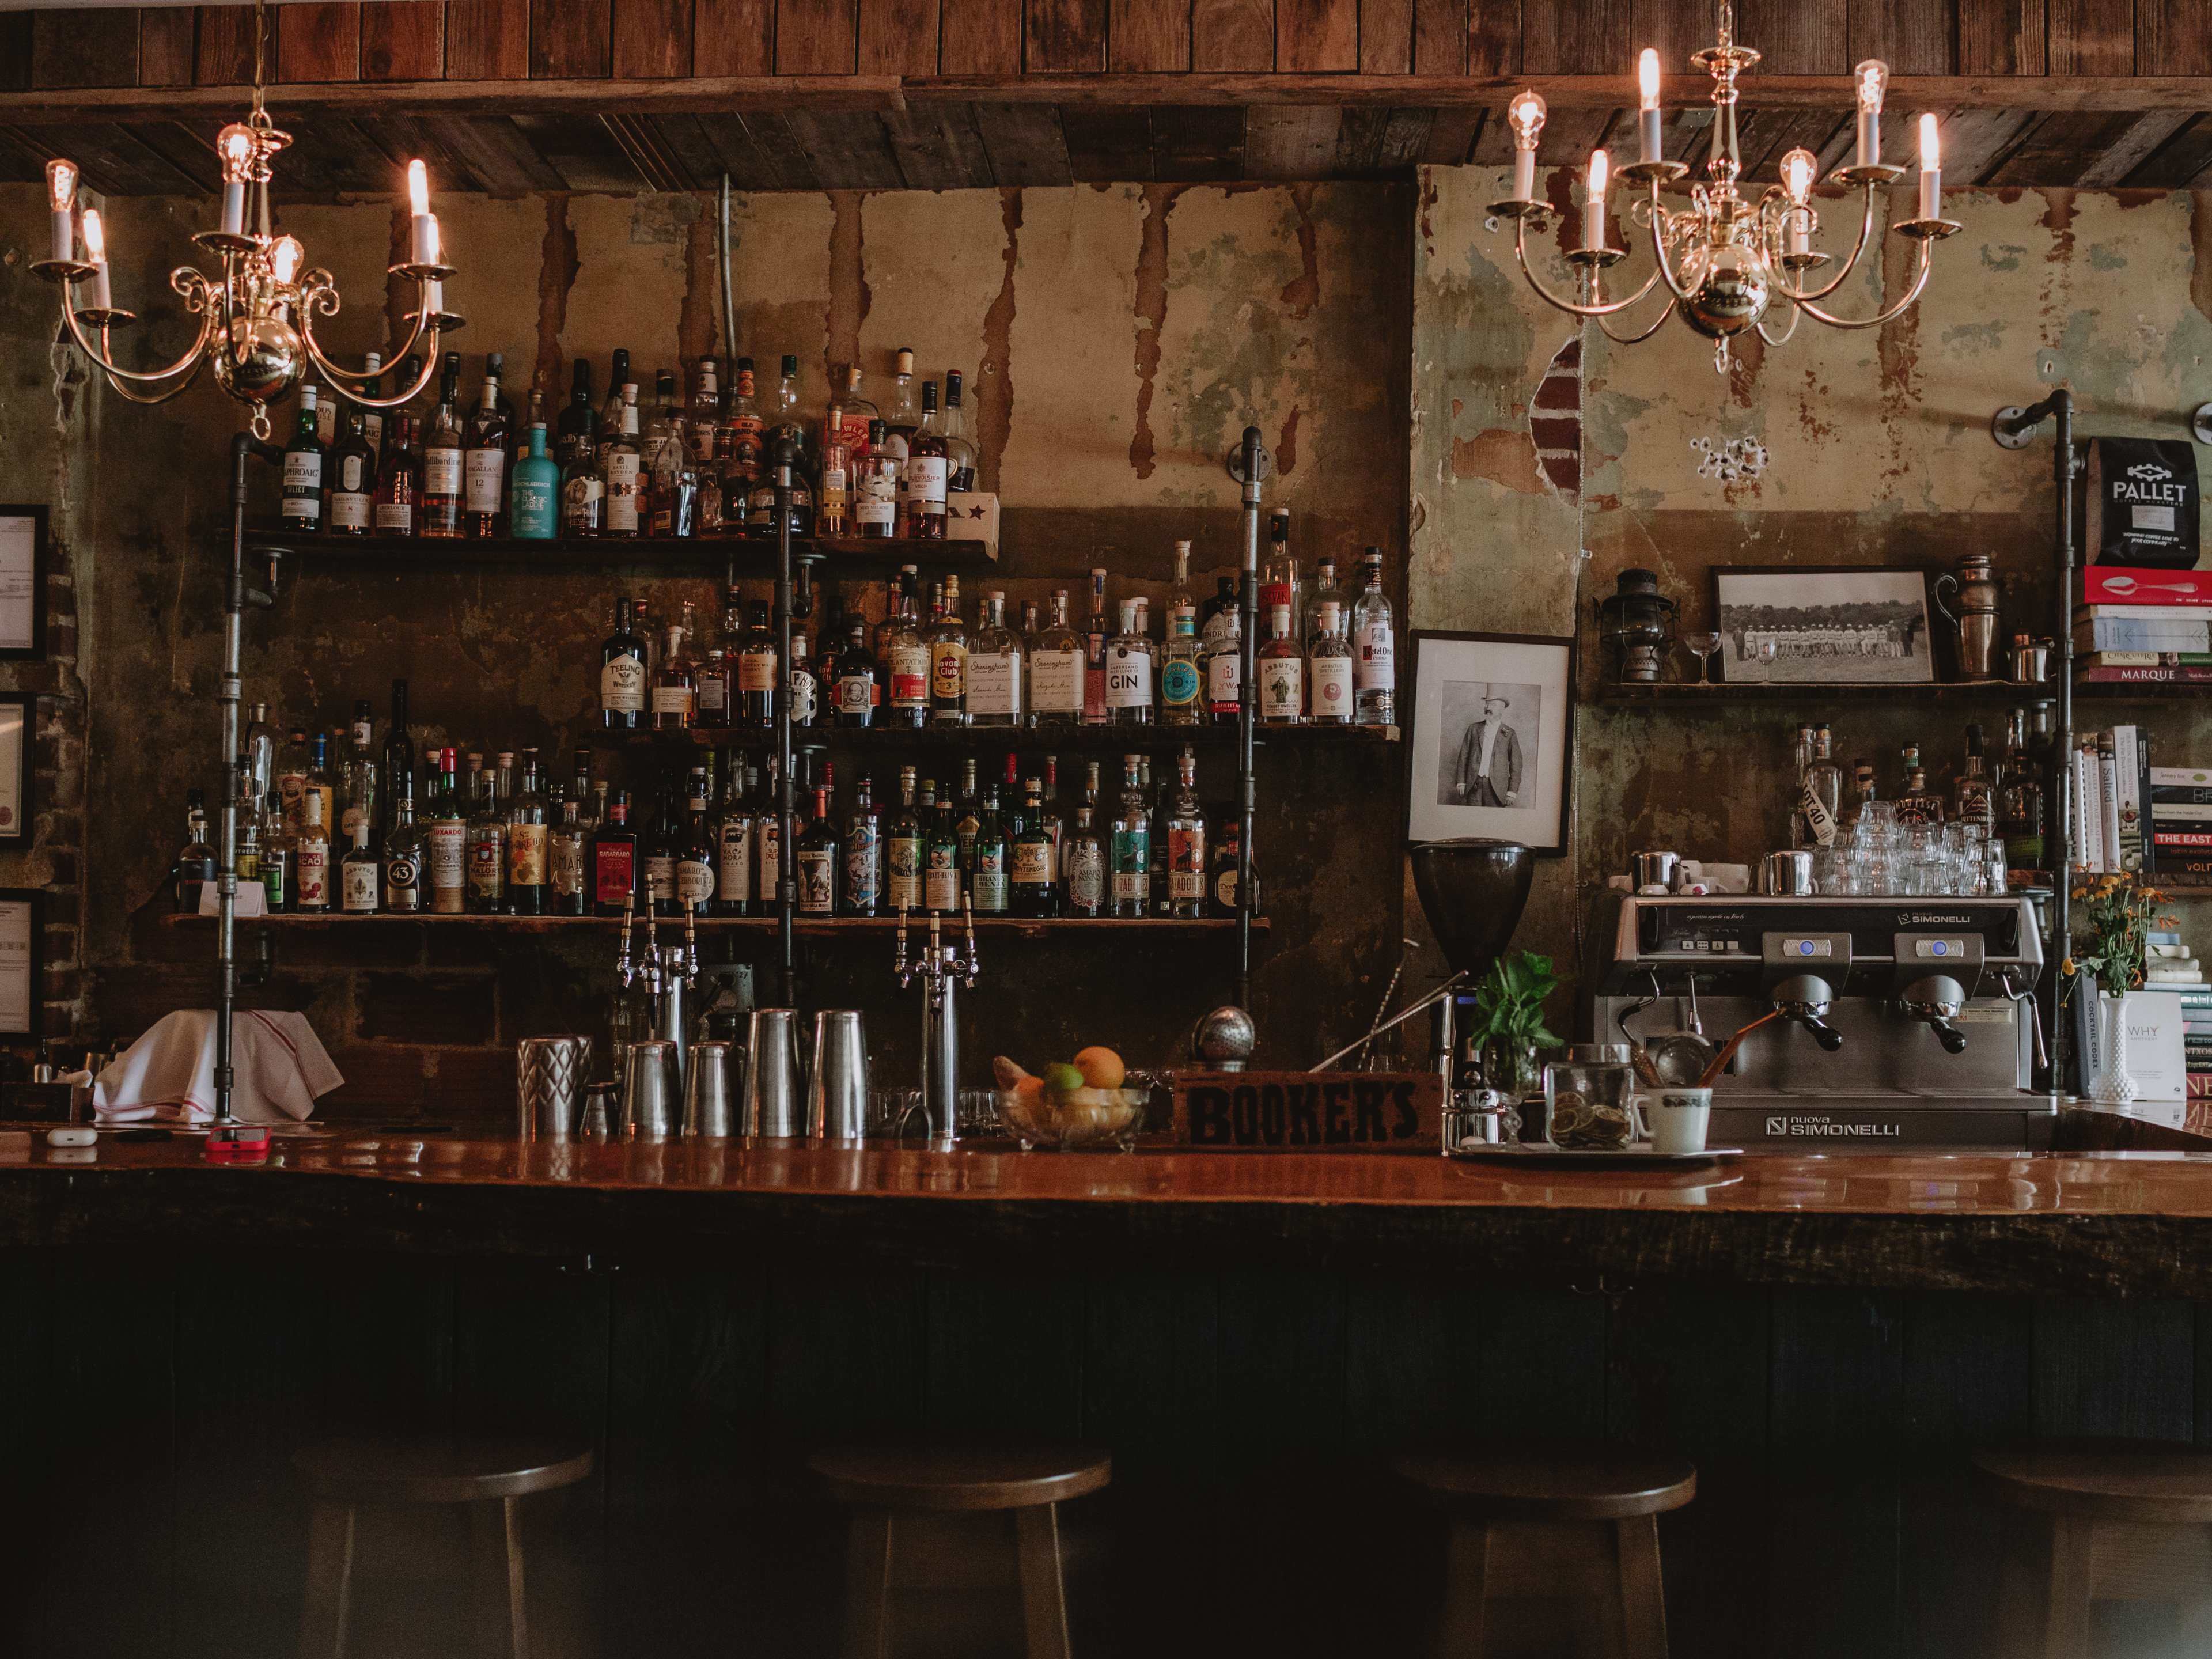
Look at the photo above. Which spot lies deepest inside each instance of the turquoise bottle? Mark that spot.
(533, 511)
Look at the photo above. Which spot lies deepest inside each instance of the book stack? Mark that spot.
(2142, 626)
(2169, 966)
(2180, 821)
(2109, 781)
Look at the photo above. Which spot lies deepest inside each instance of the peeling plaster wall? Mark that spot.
(1878, 453)
(1115, 340)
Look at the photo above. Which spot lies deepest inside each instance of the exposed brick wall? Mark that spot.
(1556, 423)
(52, 859)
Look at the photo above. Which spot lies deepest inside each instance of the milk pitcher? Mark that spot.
(1975, 622)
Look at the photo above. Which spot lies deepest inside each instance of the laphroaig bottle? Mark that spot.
(1374, 648)
(534, 497)
(351, 472)
(303, 469)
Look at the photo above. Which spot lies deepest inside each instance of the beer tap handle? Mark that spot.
(900, 972)
(935, 959)
(690, 946)
(969, 963)
(625, 967)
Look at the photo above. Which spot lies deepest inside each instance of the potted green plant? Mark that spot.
(1508, 1029)
(2118, 913)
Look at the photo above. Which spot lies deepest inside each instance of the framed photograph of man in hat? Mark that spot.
(1490, 737)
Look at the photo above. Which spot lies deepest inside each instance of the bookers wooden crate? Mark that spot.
(1308, 1111)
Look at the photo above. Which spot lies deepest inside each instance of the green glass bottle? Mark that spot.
(533, 496)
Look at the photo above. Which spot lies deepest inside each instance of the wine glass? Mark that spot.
(1704, 645)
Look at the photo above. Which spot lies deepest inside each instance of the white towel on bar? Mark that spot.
(278, 1068)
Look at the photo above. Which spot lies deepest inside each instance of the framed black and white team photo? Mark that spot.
(1823, 625)
(1490, 737)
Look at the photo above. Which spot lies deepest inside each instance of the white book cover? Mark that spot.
(2092, 821)
(2125, 808)
(2156, 1056)
(2179, 777)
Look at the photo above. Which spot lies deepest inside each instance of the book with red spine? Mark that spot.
(2122, 584)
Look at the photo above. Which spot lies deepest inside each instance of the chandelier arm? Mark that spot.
(337, 376)
(125, 392)
(1783, 338)
(1603, 309)
(1919, 283)
(115, 372)
(1659, 220)
(1665, 312)
(1843, 275)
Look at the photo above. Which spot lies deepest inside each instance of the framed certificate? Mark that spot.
(19, 954)
(14, 768)
(23, 588)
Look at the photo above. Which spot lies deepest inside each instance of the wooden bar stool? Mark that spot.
(2102, 1521)
(1553, 1522)
(490, 1476)
(882, 1482)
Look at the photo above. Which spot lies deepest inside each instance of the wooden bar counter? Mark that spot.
(2134, 1223)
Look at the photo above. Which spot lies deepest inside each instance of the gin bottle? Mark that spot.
(1329, 666)
(1056, 668)
(1131, 856)
(1374, 648)
(995, 668)
(1129, 673)
(1186, 894)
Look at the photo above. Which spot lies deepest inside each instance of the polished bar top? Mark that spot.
(2131, 1222)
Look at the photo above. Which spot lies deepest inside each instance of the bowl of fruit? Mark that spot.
(1092, 1100)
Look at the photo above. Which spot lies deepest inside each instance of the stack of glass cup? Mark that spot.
(1879, 855)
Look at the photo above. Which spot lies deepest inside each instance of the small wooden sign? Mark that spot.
(1308, 1111)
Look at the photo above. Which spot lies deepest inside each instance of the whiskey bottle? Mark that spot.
(1329, 667)
(738, 450)
(1186, 838)
(361, 875)
(948, 662)
(196, 865)
(1374, 648)
(444, 443)
(312, 856)
(1130, 855)
(620, 471)
(302, 508)
(1095, 642)
(863, 852)
(528, 844)
(483, 463)
(614, 860)
(352, 470)
(621, 675)
(757, 675)
(876, 485)
(733, 847)
(959, 452)
(1035, 855)
(927, 457)
(1056, 667)
(568, 855)
(573, 439)
(903, 860)
(675, 687)
(696, 852)
(816, 860)
(404, 853)
(995, 668)
(487, 851)
(1129, 673)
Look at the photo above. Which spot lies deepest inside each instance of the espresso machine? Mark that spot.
(1898, 1022)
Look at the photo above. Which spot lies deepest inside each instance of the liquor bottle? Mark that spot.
(988, 885)
(400, 481)
(1819, 794)
(292, 764)
(1186, 839)
(372, 420)
(1324, 591)
(733, 847)
(834, 514)
(620, 471)
(696, 851)
(528, 844)
(2020, 800)
(739, 450)
(318, 783)
(1330, 666)
(875, 486)
(621, 674)
(906, 670)
(484, 462)
(1086, 860)
(675, 687)
(857, 693)
(614, 860)
(941, 854)
(903, 860)
(1130, 855)
(1223, 650)
(1225, 867)
(445, 838)
(948, 662)
(863, 852)
(757, 675)
(851, 416)
(487, 851)
(1035, 857)
(1182, 679)
(495, 371)
(567, 856)
(1374, 648)
(196, 864)
(311, 857)
(1971, 802)
(783, 424)
(901, 420)
(1278, 570)
(360, 875)
(1094, 646)
(1156, 806)
(583, 489)
(1917, 802)
(533, 501)
(1280, 668)
(1056, 668)
(609, 421)
(1128, 660)
(816, 860)
(439, 512)
(302, 508)
(352, 470)
(357, 802)
(670, 476)
(247, 856)
(405, 851)
(768, 840)
(805, 681)
(273, 864)
(927, 464)
(995, 668)
(574, 440)
(261, 744)
(959, 453)
(702, 416)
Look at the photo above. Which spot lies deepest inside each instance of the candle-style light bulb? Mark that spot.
(1647, 93)
(1601, 169)
(1525, 115)
(423, 224)
(61, 201)
(1931, 168)
(418, 188)
(1799, 169)
(235, 144)
(1873, 77)
(285, 257)
(96, 250)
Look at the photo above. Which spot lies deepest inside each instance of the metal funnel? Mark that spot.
(1472, 892)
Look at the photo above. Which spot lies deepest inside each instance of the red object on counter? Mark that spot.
(2122, 584)
(238, 1143)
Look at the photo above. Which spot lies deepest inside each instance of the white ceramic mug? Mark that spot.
(1679, 1119)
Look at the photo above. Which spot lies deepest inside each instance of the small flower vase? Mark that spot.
(2115, 1085)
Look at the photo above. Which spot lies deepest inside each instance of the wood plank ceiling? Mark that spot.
(511, 95)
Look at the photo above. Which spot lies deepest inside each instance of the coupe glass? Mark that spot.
(1704, 645)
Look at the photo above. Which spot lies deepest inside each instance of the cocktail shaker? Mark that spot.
(550, 1073)
(837, 1096)
(649, 1114)
(772, 1098)
(709, 1096)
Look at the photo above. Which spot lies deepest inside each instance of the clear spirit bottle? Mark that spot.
(1375, 647)
(1129, 673)
(621, 472)
(1185, 840)
(927, 467)
(1819, 794)
(1086, 866)
(1056, 667)
(876, 472)
(360, 875)
(1972, 800)
(1330, 666)
(995, 668)
(1281, 669)
(1183, 674)
(1131, 856)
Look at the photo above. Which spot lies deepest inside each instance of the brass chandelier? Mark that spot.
(1728, 256)
(257, 319)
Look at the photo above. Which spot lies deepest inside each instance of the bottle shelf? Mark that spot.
(2144, 691)
(843, 556)
(1055, 738)
(815, 925)
(1690, 695)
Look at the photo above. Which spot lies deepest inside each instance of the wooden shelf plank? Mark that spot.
(1693, 695)
(1055, 737)
(1028, 925)
(840, 555)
